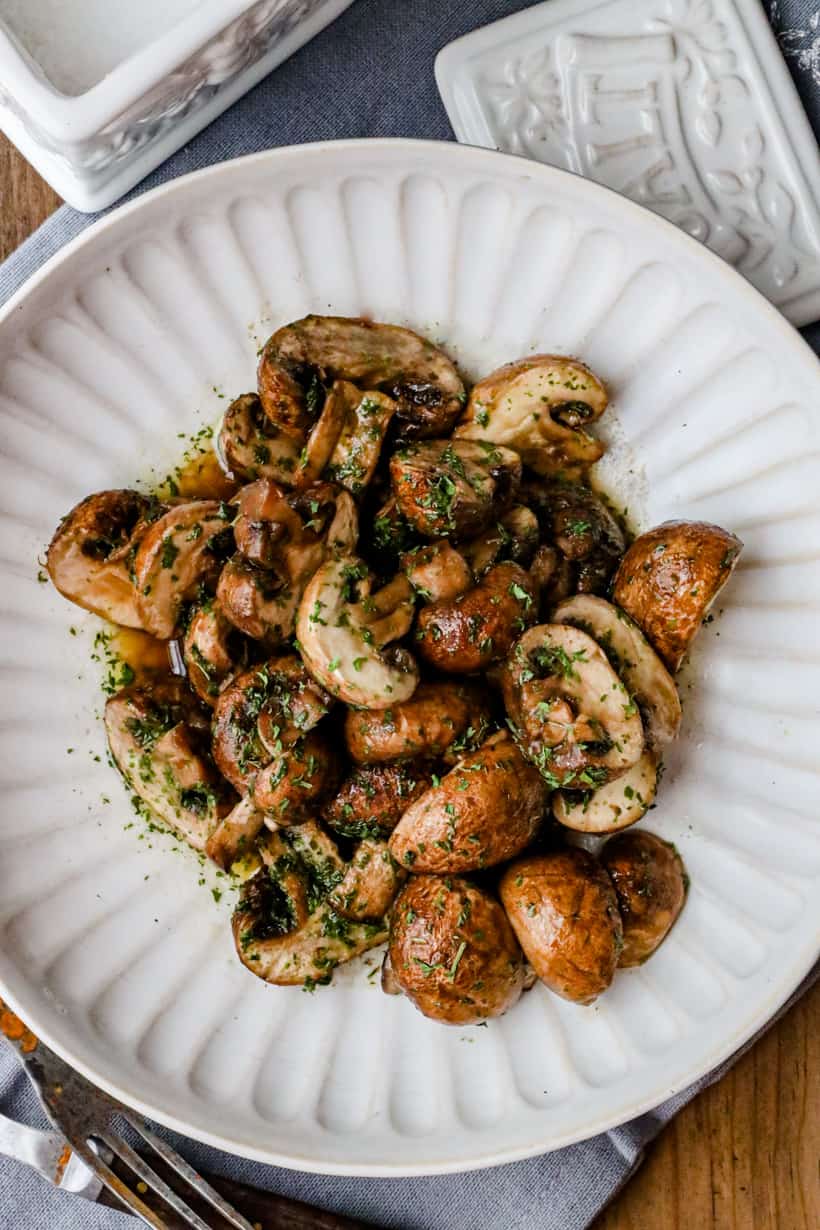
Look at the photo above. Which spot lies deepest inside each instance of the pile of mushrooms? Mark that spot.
(418, 681)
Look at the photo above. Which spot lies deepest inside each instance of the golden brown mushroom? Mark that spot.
(453, 488)
(650, 884)
(442, 719)
(470, 632)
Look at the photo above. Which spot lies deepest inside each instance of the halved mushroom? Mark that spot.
(252, 447)
(586, 535)
(437, 572)
(303, 358)
(540, 407)
(612, 807)
(670, 577)
(650, 883)
(346, 442)
(212, 656)
(370, 883)
(452, 951)
(234, 837)
(373, 799)
(563, 910)
(268, 706)
(180, 552)
(441, 719)
(285, 929)
(633, 658)
(158, 739)
(574, 718)
(468, 633)
(486, 810)
(342, 629)
(290, 788)
(453, 488)
(292, 534)
(514, 537)
(90, 558)
(388, 536)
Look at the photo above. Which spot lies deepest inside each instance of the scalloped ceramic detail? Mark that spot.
(685, 106)
(110, 944)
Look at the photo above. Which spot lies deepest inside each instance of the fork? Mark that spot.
(84, 1118)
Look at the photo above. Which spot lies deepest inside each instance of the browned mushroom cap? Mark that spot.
(452, 951)
(90, 558)
(486, 810)
(388, 536)
(470, 632)
(252, 447)
(439, 720)
(589, 540)
(540, 407)
(453, 488)
(290, 788)
(514, 536)
(179, 553)
(256, 602)
(291, 533)
(159, 741)
(273, 703)
(374, 797)
(563, 909)
(370, 883)
(650, 884)
(285, 929)
(211, 652)
(669, 578)
(574, 718)
(302, 359)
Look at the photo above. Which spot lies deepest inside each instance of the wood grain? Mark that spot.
(745, 1154)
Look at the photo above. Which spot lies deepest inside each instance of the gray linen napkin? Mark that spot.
(370, 75)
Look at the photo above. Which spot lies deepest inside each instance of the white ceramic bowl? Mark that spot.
(95, 98)
(109, 946)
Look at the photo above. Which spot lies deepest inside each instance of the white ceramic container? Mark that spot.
(111, 944)
(100, 122)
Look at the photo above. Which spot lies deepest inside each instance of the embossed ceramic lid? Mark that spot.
(686, 106)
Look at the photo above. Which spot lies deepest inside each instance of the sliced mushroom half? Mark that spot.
(646, 678)
(183, 550)
(612, 807)
(574, 718)
(343, 629)
(90, 558)
(539, 406)
(252, 447)
(158, 739)
(304, 358)
(212, 651)
(370, 883)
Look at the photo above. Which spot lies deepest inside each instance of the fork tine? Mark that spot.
(150, 1177)
(115, 1184)
(177, 1163)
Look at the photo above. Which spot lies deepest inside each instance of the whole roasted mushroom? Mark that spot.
(453, 488)
(267, 707)
(159, 741)
(91, 556)
(650, 884)
(540, 406)
(670, 577)
(452, 951)
(573, 717)
(342, 629)
(470, 632)
(303, 359)
(484, 811)
(563, 910)
(442, 719)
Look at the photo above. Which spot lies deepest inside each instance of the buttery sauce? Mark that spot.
(202, 478)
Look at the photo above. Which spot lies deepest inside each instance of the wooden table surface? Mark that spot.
(745, 1154)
